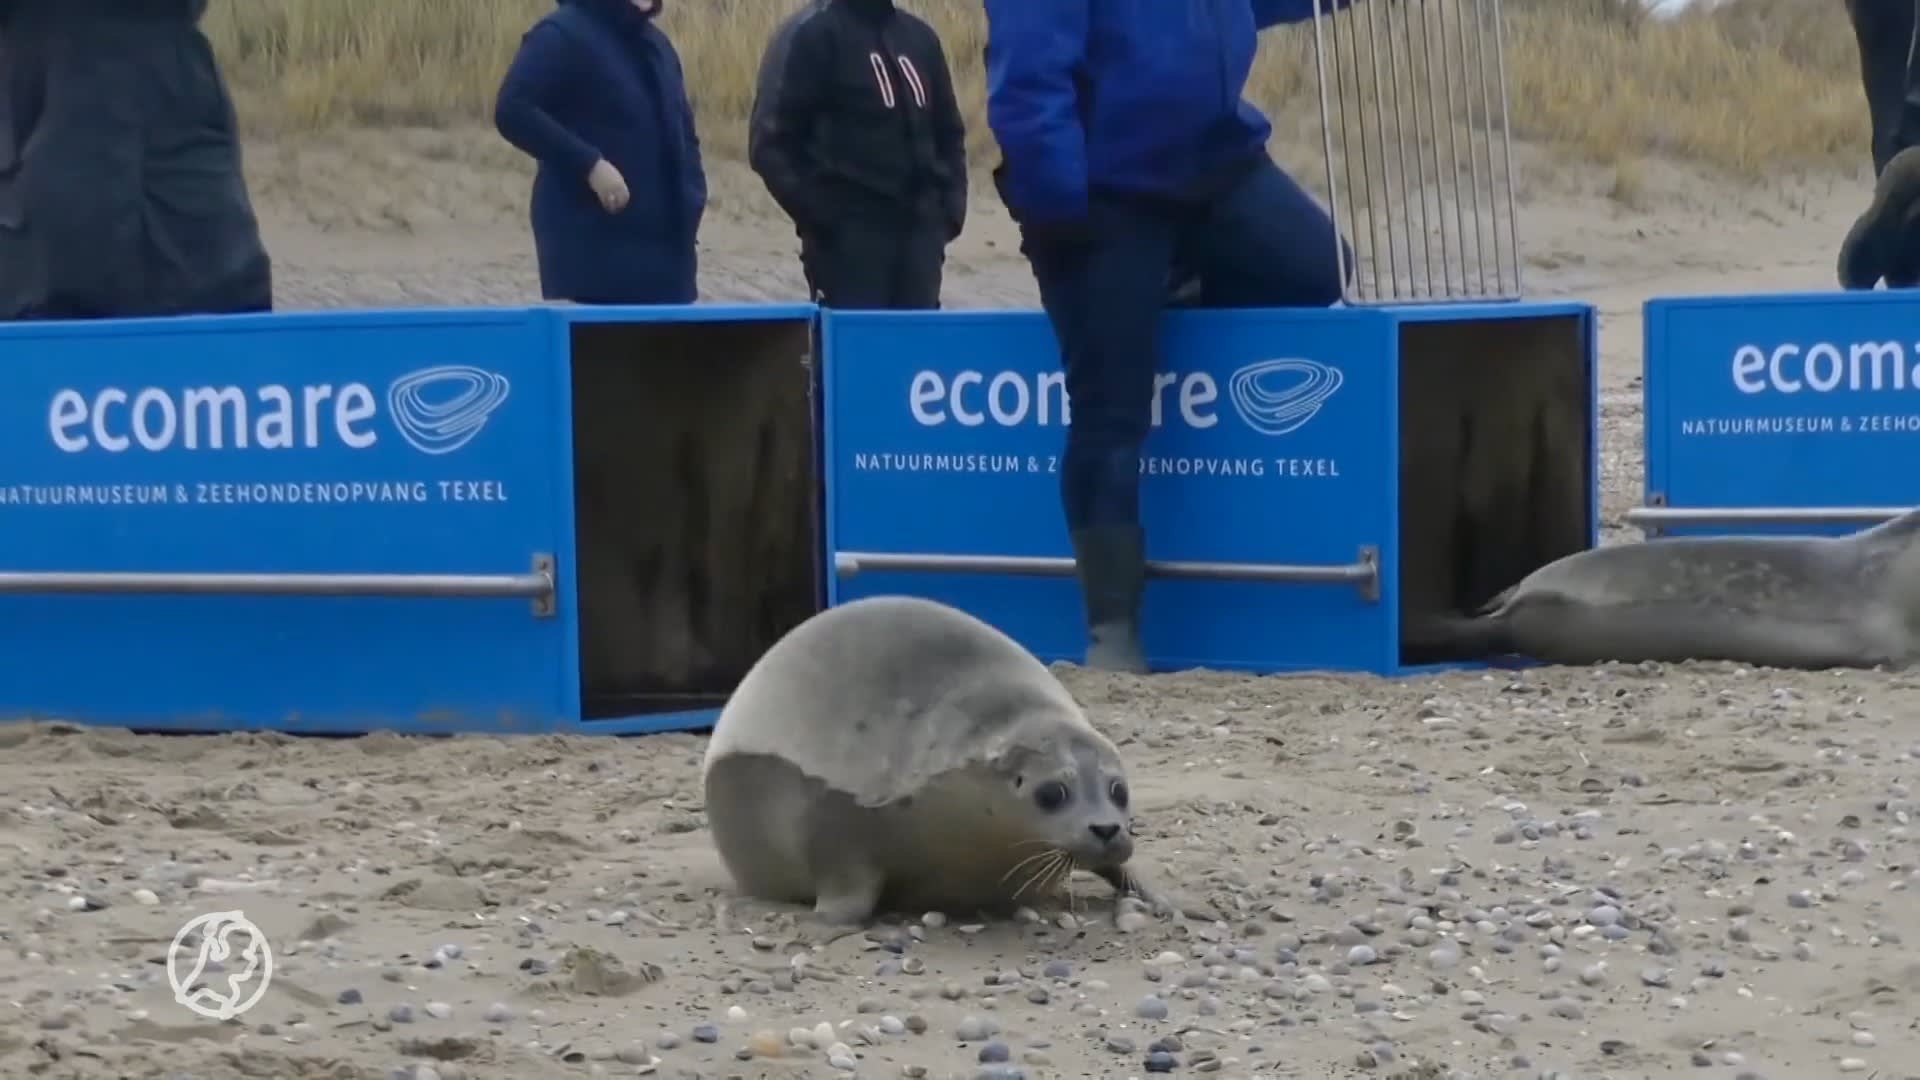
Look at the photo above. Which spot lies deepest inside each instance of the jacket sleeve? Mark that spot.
(950, 136)
(1034, 49)
(695, 167)
(1268, 13)
(522, 112)
(786, 97)
(693, 170)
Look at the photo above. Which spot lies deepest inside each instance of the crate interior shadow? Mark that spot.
(1496, 462)
(695, 479)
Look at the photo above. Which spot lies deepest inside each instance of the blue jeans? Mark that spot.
(1263, 242)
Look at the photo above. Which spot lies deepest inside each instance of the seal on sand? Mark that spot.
(1774, 601)
(895, 753)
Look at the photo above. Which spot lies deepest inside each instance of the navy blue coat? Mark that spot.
(597, 79)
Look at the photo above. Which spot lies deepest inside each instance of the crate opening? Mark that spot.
(696, 513)
(1495, 461)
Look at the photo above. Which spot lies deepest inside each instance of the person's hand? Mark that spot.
(608, 186)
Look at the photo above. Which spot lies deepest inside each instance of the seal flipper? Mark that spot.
(848, 893)
(1445, 636)
(1126, 882)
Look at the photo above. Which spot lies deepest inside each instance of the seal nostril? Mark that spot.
(1106, 833)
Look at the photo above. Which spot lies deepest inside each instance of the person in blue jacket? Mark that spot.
(1884, 242)
(1133, 167)
(596, 96)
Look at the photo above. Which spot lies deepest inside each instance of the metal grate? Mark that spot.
(1419, 146)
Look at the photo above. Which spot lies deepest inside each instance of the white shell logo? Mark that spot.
(231, 940)
(440, 409)
(1278, 397)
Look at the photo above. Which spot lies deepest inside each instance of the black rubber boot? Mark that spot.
(1872, 248)
(1112, 562)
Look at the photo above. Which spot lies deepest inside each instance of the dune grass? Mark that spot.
(1753, 87)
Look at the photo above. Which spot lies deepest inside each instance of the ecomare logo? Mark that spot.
(1824, 367)
(435, 410)
(1273, 397)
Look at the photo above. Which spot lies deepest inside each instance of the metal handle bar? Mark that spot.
(1655, 517)
(1365, 572)
(537, 585)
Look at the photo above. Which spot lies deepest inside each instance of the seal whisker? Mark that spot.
(1041, 874)
(1015, 868)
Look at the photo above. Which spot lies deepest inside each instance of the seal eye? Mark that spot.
(1117, 793)
(1051, 795)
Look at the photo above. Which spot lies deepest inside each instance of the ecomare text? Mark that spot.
(1823, 367)
(212, 418)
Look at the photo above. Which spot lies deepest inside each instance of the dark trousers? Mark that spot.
(877, 264)
(1264, 242)
(1890, 72)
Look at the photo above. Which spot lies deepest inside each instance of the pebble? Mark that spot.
(706, 1033)
(1151, 1008)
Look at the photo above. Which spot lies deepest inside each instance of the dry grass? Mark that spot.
(1759, 86)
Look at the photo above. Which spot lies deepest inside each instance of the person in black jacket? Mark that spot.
(121, 187)
(1884, 243)
(858, 136)
(596, 96)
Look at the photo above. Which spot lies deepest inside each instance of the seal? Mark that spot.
(1809, 602)
(894, 753)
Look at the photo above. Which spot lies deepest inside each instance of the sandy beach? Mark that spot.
(1612, 872)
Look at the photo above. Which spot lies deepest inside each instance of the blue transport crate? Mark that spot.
(1781, 413)
(1313, 476)
(425, 521)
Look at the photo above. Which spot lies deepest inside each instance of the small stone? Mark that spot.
(401, 1013)
(439, 1010)
(349, 996)
(1151, 1008)
(971, 1029)
(1161, 1062)
(706, 1033)
(765, 1044)
(994, 1053)
(497, 1013)
(145, 897)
